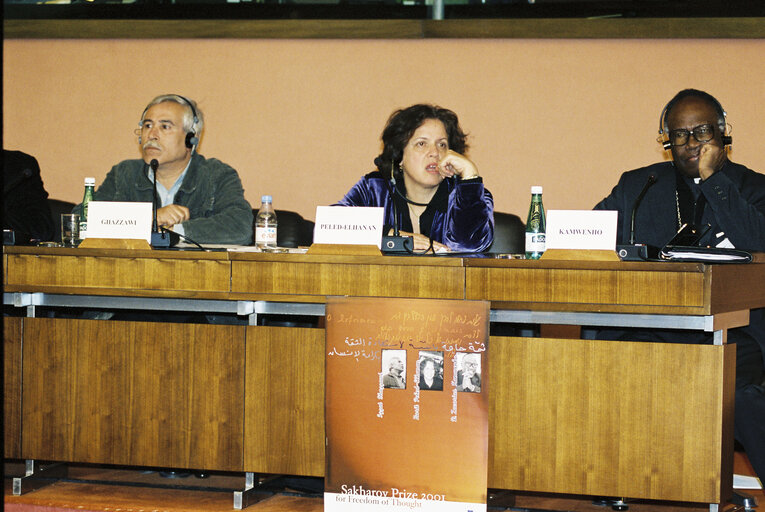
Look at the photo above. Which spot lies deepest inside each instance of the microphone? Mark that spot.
(633, 251)
(154, 164)
(392, 183)
(651, 180)
(160, 239)
(394, 244)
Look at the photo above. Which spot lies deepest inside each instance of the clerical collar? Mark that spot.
(689, 200)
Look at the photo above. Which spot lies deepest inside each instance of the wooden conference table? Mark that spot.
(639, 420)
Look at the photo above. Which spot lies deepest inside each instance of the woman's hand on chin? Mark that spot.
(454, 164)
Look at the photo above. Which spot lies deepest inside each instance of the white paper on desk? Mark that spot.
(115, 219)
(353, 225)
(581, 229)
(746, 482)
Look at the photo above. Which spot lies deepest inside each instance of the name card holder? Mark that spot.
(344, 229)
(581, 235)
(115, 243)
(345, 249)
(118, 225)
(579, 255)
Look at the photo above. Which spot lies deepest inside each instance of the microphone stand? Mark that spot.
(633, 251)
(160, 239)
(396, 244)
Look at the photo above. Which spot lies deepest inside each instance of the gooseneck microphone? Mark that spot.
(651, 180)
(392, 184)
(395, 243)
(160, 239)
(633, 251)
(154, 164)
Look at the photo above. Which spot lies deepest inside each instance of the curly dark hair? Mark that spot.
(402, 125)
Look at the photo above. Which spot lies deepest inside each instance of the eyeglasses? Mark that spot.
(702, 133)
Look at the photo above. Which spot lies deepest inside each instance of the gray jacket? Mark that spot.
(211, 190)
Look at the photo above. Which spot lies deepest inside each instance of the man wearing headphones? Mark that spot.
(701, 187)
(199, 198)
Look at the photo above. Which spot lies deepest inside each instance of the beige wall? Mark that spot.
(301, 119)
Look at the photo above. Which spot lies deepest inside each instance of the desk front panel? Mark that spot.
(643, 420)
(569, 288)
(12, 342)
(80, 272)
(737, 287)
(611, 418)
(133, 393)
(284, 405)
(380, 277)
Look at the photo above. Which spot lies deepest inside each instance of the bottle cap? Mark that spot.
(90, 182)
(536, 189)
(265, 199)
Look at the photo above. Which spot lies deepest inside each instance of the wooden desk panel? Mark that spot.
(134, 393)
(370, 276)
(620, 287)
(284, 405)
(12, 336)
(610, 287)
(147, 270)
(611, 418)
(737, 287)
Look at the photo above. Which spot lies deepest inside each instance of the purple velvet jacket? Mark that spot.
(460, 215)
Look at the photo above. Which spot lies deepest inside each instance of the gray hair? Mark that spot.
(192, 111)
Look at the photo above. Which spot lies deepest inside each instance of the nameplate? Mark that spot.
(349, 225)
(581, 229)
(114, 219)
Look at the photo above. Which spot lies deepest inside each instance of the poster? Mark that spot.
(406, 405)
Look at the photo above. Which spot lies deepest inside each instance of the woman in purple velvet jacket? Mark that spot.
(424, 179)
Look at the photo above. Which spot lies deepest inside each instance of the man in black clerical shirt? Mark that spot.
(702, 187)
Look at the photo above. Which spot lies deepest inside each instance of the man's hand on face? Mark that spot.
(172, 214)
(711, 159)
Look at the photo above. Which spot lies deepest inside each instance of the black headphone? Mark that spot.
(727, 140)
(191, 137)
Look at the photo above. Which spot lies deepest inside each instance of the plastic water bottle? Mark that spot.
(90, 184)
(265, 224)
(535, 226)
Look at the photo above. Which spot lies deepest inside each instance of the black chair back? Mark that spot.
(509, 234)
(292, 230)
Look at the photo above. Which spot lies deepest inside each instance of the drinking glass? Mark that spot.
(70, 229)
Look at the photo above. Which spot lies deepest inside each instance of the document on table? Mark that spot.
(746, 482)
(704, 254)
